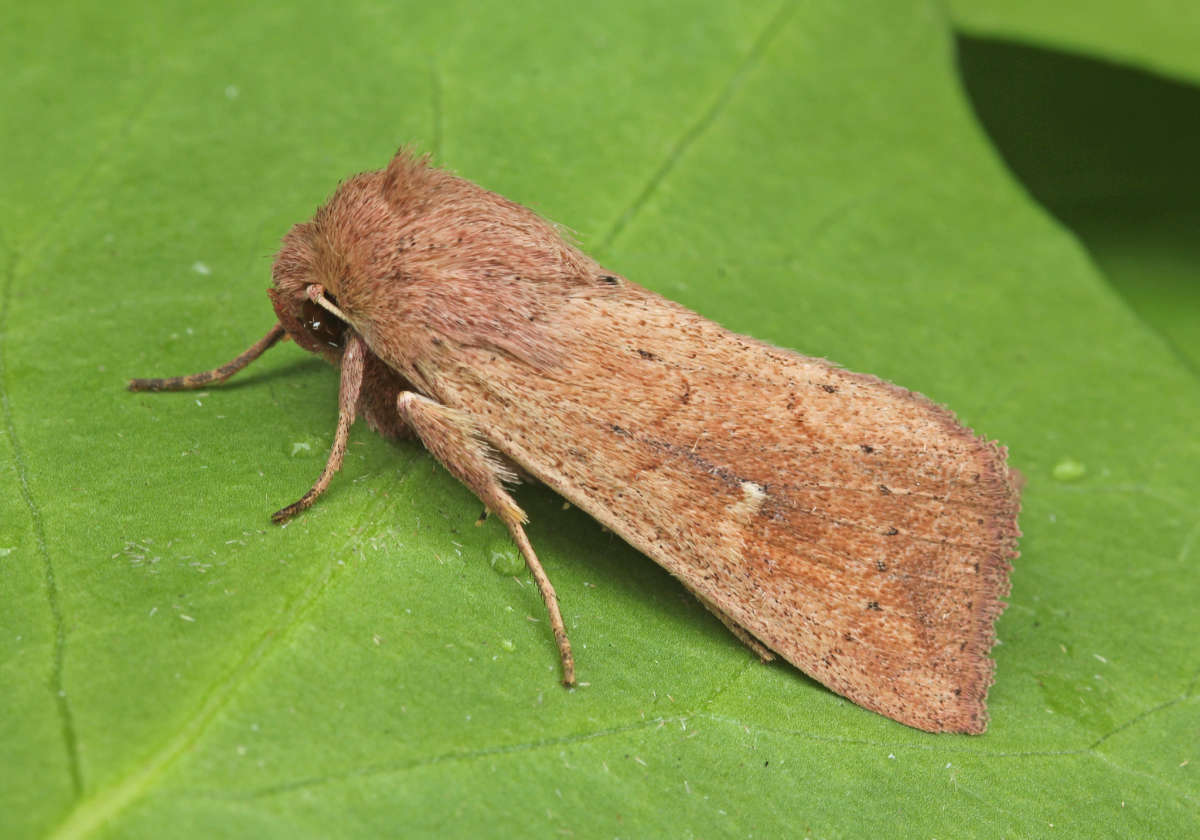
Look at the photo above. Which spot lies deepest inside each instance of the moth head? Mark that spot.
(302, 266)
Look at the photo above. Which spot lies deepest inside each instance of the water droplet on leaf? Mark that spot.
(1068, 469)
(504, 557)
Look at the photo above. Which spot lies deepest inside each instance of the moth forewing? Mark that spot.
(852, 527)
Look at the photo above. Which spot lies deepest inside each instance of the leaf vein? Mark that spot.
(698, 128)
(21, 468)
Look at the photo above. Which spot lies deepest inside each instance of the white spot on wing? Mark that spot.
(753, 496)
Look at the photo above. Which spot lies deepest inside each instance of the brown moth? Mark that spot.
(848, 525)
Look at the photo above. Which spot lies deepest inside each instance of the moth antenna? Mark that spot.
(352, 375)
(216, 375)
(316, 293)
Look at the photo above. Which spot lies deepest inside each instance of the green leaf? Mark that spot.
(1110, 150)
(810, 174)
(1159, 36)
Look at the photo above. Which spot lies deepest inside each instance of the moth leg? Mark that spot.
(452, 437)
(348, 389)
(216, 375)
(736, 629)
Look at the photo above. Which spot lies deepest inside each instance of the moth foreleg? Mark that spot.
(453, 438)
(351, 384)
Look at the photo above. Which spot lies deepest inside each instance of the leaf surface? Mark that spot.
(810, 174)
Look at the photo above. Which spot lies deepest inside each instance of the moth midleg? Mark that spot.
(352, 374)
(743, 635)
(217, 374)
(453, 439)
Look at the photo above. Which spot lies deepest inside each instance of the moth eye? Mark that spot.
(325, 327)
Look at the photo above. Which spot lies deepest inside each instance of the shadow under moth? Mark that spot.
(847, 525)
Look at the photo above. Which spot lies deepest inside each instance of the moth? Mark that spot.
(852, 527)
